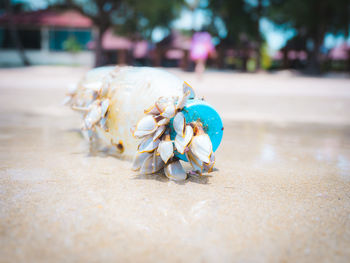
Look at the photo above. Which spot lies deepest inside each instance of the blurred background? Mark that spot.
(246, 35)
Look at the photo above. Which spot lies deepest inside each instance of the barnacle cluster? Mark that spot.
(93, 102)
(109, 110)
(157, 151)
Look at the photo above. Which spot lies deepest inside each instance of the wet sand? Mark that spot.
(280, 191)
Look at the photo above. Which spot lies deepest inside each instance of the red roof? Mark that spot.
(68, 18)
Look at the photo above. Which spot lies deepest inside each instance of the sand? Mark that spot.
(280, 191)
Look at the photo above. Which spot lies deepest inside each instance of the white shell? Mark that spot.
(104, 107)
(186, 88)
(147, 165)
(209, 167)
(166, 150)
(175, 171)
(138, 160)
(182, 142)
(93, 116)
(163, 121)
(157, 163)
(182, 100)
(147, 123)
(197, 164)
(201, 147)
(148, 145)
(179, 123)
(145, 126)
(159, 132)
(103, 123)
(169, 111)
(152, 110)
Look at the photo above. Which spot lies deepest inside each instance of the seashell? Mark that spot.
(175, 171)
(183, 99)
(179, 124)
(81, 109)
(147, 165)
(104, 107)
(209, 167)
(197, 164)
(152, 110)
(138, 160)
(186, 88)
(158, 163)
(104, 89)
(145, 126)
(93, 116)
(163, 121)
(169, 111)
(201, 147)
(103, 123)
(166, 150)
(182, 142)
(163, 102)
(159, 132)
(148, 145)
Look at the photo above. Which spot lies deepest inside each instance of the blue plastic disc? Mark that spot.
(196, 109)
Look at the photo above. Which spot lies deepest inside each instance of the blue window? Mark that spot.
(59, 36)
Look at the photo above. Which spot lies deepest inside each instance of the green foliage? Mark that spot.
(312, 16)
(236, 17)
(266, 61)
(251, 65)
(72, 45)
(312, 19)
(142, 17)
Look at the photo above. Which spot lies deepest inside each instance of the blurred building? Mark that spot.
(43, 35)
(63, 37)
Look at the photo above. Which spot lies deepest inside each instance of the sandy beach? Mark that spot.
(280, 191)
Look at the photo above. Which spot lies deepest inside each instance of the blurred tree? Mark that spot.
(129, 17)
(241, 19)
(141, 18)
(11, 9)
(314, 19)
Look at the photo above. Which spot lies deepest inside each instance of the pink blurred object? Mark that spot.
(201, 46)
(302, 55)
(278, 55)
(340, 52)
(174, 54)
(140, 49)
(110, 41)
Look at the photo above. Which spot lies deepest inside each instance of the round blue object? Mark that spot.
(196, 109)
